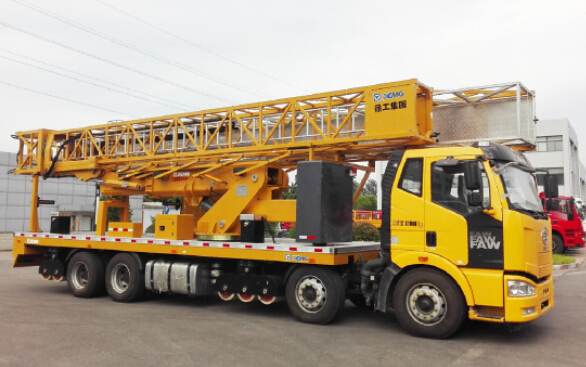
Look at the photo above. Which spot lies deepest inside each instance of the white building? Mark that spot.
(557, 153)
(72, 198)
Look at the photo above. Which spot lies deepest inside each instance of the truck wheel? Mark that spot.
(429, 304)
(85, 275)
(557, 245)
(315, 295)
(124, 279)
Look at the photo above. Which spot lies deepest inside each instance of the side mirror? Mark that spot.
(475, 199)
(571, 215)
(472, 176)
(552, 205)
(550, 186)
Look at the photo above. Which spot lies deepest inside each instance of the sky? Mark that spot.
(66, 63)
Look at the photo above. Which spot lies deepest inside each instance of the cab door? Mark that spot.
(407, 208)
(446, 231)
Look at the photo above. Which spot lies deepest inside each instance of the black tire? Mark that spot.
(414, 300)
(557, 244)
(315, 295)
(124, 279)
(85, 275)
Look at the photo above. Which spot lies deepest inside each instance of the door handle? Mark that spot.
(430, 239)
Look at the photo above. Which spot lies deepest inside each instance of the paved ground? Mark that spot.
(43, 325)
(6, 241)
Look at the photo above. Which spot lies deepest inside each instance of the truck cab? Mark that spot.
(472, 234)
(566, 224)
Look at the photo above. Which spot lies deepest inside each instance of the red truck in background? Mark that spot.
(566, 224)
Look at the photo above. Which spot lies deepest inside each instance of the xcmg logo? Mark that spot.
(377, 97)
(484, 240)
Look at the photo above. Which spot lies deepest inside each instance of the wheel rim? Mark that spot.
(426, 304)
(120, 278)
(311, 294)
(80, 275)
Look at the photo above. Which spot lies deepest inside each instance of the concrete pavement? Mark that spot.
(6, 241)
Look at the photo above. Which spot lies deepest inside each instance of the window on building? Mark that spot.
(550, 143)
(559, 172)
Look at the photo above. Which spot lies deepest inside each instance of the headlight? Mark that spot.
(520, 289)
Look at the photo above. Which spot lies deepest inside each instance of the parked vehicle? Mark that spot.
(463, 234)
(566, 224)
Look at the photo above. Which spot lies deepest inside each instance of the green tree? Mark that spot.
(363, 231)
(370, 188)
(365, 202)
(151, 228)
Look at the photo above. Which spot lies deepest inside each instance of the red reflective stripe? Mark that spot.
(88, 238)
(73, 237)
(206, 245)
(311, 237)
(186, 243)
(60, 236)
(125, 229)
(248, 246)
(118, 240)
(34, 235)
(317, 250)
(292, 248)
(149, 241)
(270, 247)
(102, 239)
(22, 235)
(133, 241)
(167, 242)
(46, 236)
(226, 245)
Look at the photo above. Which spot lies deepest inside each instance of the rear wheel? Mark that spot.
(315, 295)
(430, 304)
(557, 246)
(124, 279)
(85, 275)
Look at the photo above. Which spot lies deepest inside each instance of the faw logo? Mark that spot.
(483, 240)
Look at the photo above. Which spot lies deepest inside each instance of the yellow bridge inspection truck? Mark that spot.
(463, 236)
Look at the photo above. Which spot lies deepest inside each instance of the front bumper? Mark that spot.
(517, 309)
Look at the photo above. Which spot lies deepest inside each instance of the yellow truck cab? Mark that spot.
(468, 237)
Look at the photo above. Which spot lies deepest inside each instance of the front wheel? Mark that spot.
(124, 279)
(429, 304)
(315, 295)
(558, 246)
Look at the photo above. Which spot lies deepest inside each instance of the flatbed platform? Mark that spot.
(283, 250)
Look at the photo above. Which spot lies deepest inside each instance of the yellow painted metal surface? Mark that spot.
(542, 301)
(406, 259)
(124, 229)
(174, 226)
(487, 286)
(534, 257)
(328, 123)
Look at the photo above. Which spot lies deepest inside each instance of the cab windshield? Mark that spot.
(521, 189)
